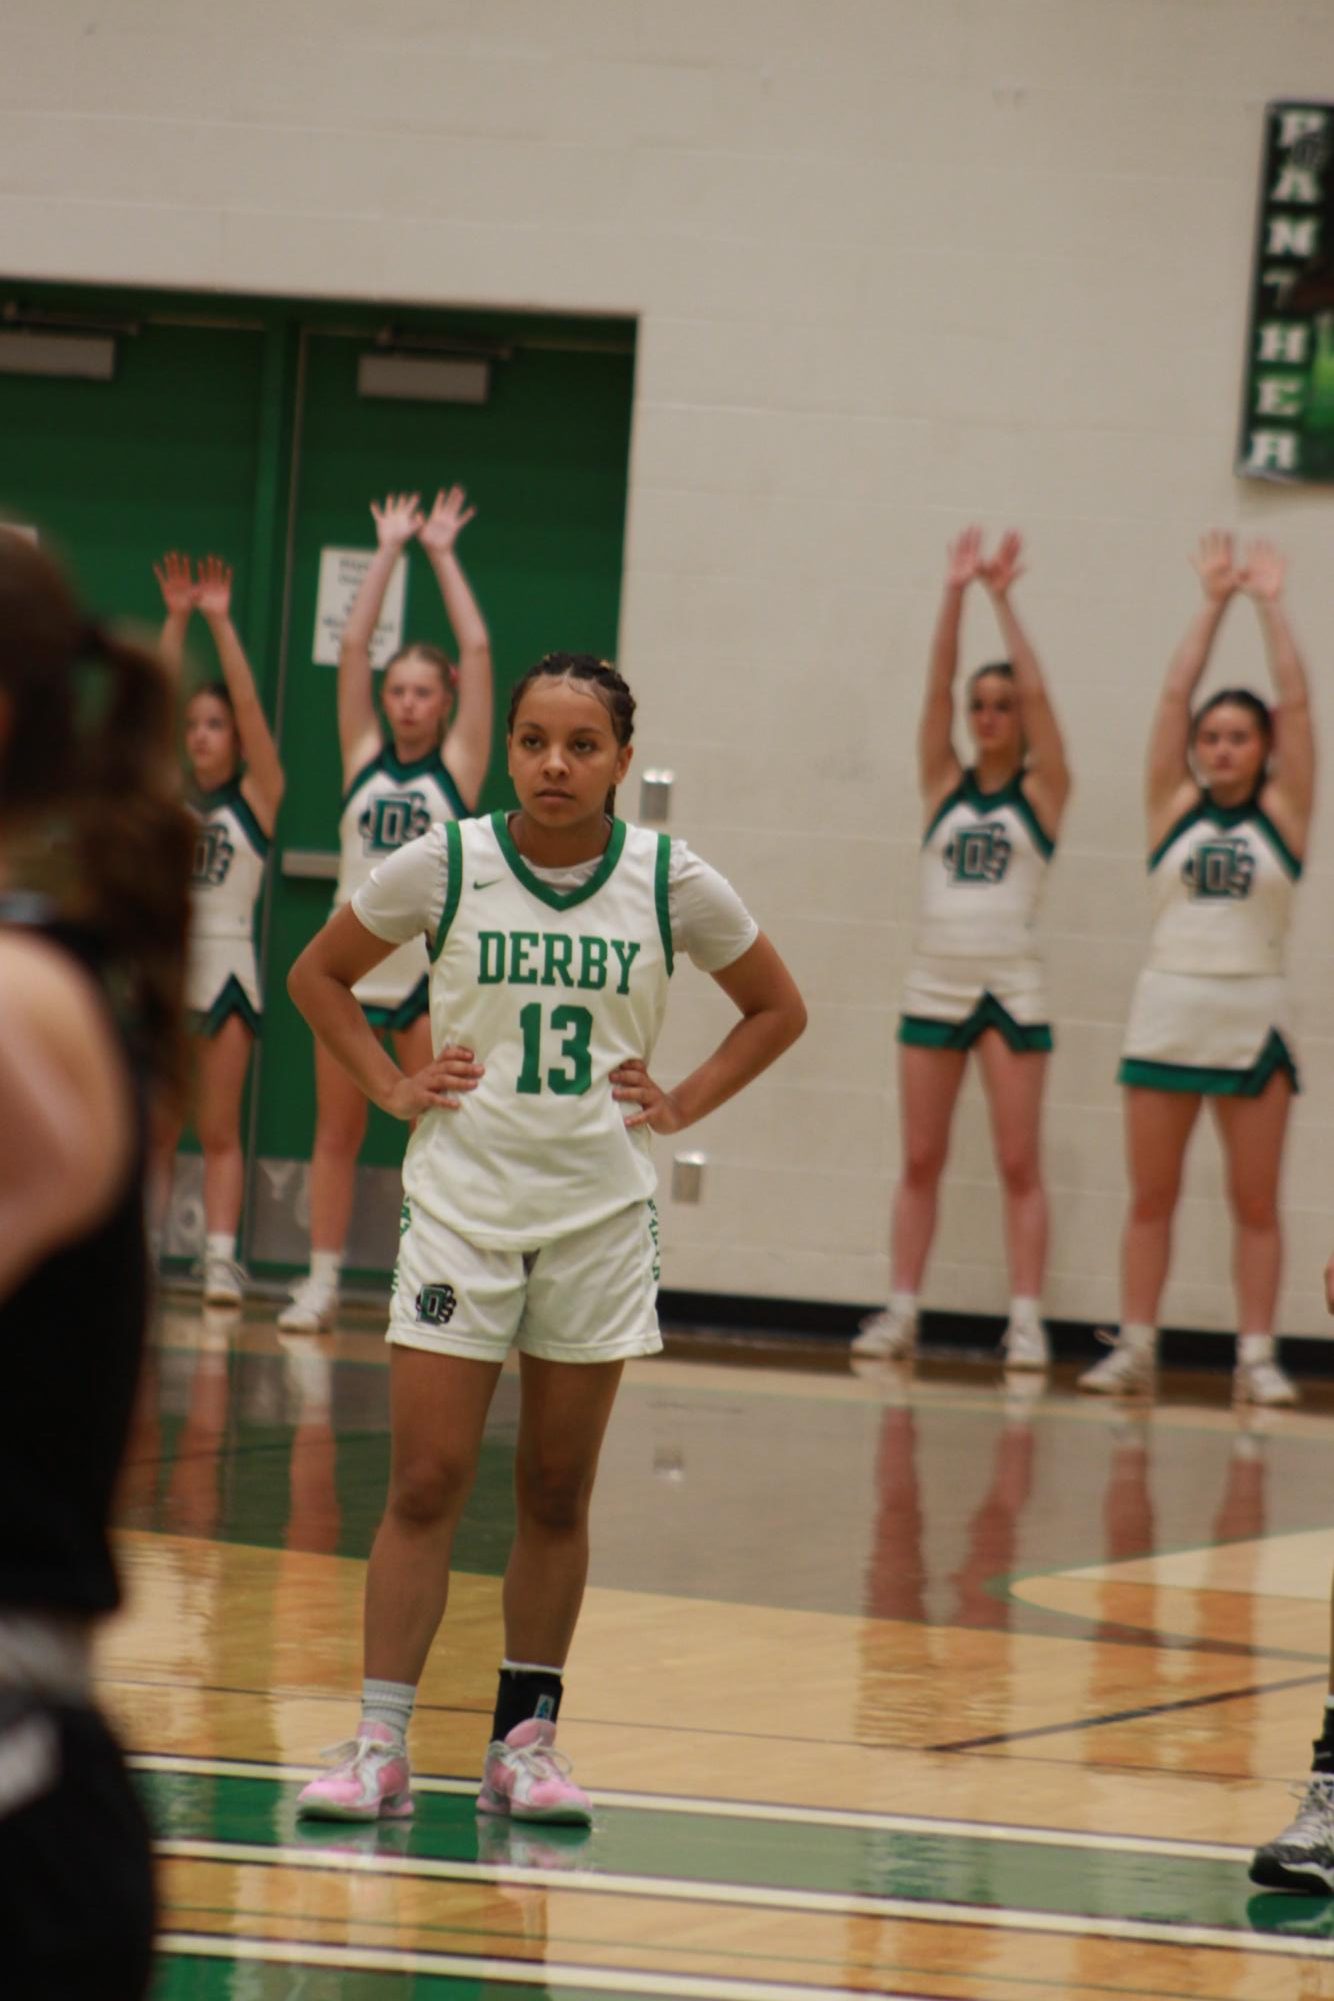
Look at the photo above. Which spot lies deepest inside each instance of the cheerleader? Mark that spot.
(235, 789)
(426, 766)
(976, 979)
(1229, 793)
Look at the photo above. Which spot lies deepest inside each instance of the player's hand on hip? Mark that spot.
(439, 1086)
(658, 1110)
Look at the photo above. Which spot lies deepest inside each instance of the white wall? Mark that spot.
(899, 264)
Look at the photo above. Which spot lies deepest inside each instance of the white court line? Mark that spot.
(1141, 1931)
(614, 1980)
(756, 1810)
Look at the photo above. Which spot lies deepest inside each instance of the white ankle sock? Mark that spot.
(1025, 1311)
(903, 1305)
(325, 1267)
(1137, 1334)
(221, 1244)
(1252, 1348)
(390, 1703)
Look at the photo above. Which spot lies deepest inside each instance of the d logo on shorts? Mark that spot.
(435, 1304)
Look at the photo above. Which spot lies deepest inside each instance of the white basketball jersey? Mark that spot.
(983, 866)
(552, 990)
(388, 804)
(231, 850)
(1223, 882)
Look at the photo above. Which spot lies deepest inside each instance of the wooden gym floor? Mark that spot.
(913, 1686)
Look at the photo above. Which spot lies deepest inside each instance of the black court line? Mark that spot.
(1127, 1715)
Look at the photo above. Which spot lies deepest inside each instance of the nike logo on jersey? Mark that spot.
(490, 882)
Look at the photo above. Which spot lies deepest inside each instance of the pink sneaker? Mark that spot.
(371, 1780)
(525, 1778)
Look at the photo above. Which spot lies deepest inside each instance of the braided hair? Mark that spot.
(600, 677)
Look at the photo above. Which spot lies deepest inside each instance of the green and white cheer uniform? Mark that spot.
(1210, 1008)
(231, 850)
(388, 804)
(528, 1213)
(975, 962)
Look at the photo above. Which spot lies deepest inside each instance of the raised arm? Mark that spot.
(1167, 780)
(1048, 774)
(359, 736)
(938, 768)
(1291, 786)
(263, 783)
(467, 749)
(176, 584)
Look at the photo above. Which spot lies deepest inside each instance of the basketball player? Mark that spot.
(236, 787)
(428, 766)
(528, 1214)
(976, 980)
(1229, 792)
(1302, 1857)
(94, 898)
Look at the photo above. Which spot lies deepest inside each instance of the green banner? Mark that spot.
(1287, 426)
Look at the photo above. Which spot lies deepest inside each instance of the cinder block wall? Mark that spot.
(898, 265)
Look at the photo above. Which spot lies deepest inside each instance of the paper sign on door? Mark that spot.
(341, 573)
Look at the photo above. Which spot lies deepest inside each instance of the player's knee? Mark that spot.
(425, 1493)
(554, 1496)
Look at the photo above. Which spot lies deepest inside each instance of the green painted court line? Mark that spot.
(959, 1879)
(816, 1903)
(752, 1810)
(500, 1977)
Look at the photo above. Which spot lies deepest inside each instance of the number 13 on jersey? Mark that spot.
(575, 1025)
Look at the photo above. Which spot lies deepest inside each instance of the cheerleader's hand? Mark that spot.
(438, 1086)
(398, 520)
(1263, 573)
(213, 590)
(176, 583)
(632, 1085)
(1215, 565)
(1329, 1285)
(445, 522)
(1001, 572)
(963, 559)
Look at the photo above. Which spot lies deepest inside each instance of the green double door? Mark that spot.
(251, 438)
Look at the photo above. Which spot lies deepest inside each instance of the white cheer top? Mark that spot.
(980, 879)
(387, 805)
(231, 850)
(1223, 882)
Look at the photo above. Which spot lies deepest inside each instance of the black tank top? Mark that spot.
(71, 1338)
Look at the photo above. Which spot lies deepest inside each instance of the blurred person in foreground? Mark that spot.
(95, 851)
